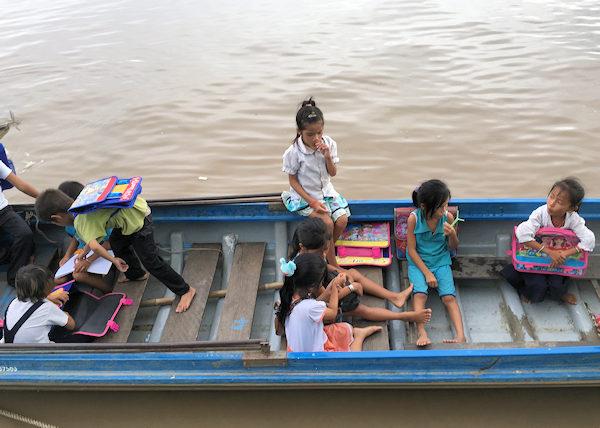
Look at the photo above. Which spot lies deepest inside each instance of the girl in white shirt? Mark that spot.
(33, 283)
(303, 316)
(561, 208)
(310, 162)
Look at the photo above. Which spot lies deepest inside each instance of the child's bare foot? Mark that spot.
(123, 278)
(569, 298)
(363, 332)
(525, 299)
(422, 315)
(423, 340)
(186, 300)
(457, 339)
(400, 299)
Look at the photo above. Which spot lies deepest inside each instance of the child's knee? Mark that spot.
(341, 222)
(448, 299)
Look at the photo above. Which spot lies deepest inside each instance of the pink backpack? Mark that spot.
(527, 260)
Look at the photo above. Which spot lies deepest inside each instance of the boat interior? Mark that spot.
(231, 257)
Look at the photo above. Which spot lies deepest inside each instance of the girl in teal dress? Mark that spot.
(430, 239)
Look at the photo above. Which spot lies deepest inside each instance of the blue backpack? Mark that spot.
(108, 192)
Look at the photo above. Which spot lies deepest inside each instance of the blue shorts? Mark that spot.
(443, 274)
(337, 207)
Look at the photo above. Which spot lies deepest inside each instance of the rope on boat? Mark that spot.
(25, 419)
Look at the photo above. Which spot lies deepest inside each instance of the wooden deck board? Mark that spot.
(198, 272)
(134, 290)
(378, 341)
(238, 308)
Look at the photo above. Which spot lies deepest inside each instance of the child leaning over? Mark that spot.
(132, 235)
(310, 162)
(32, 310)
(76, 245)
(303, 316)
(430, 237)
(561, 208)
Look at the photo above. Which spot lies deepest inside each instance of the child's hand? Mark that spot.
(340, 280)
(558, 257)
(449, 230)
(323, 148)
(59, 297)
(120, 264)
(358, 288)
(430, 280)
(319, 208)
(82, 266)
(64, 260)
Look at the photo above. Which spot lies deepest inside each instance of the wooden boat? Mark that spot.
(226, 339)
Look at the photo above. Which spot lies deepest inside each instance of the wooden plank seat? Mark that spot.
(134, 290)
(242, 289)
(378, 341)
(198, 272)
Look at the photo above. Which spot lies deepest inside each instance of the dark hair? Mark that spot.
(51, 202)
(312, 233)
(32, 282)
(311, 271)
(574, 189)
(308, 114)
(71, 188)
(432, 194)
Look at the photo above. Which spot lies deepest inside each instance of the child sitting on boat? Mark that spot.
(303, 316)
(29, 317)
(132, 235)
(563, 202)
(76, 245)
(310, 162)
(312, 236)
(430, 238)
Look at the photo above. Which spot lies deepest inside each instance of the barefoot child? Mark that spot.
(312, 236)
(303, 316)
(132, 235)
(561, 208)
(310, 162)
(430, 238)
(76, 245)
(31, 315)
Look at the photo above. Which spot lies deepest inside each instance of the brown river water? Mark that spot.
(497, 98)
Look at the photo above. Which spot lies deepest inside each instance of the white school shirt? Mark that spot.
(37, 326)
(4, 172)
(540, 218)
(304, 326)
(311, 168)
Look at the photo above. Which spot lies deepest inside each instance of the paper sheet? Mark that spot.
(100, 266)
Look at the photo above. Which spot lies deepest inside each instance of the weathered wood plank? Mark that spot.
(238, 307)
(378, 341)
(478, 267)
(134, 290)
(198, 272)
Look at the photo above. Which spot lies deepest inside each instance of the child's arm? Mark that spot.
(120, 264)
(313, 203)
(331, 312)
(70, 325)
(411, 247)
(22, 185)
(329, 163)
(73, 244)
(450, 232)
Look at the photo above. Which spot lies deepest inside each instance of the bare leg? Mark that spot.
(92, 280)
(419, 300)
(371, 287)
(186, 300)
(380, 314)
(338, 228)
(569, 298)
(360, 334)
(456, 318)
